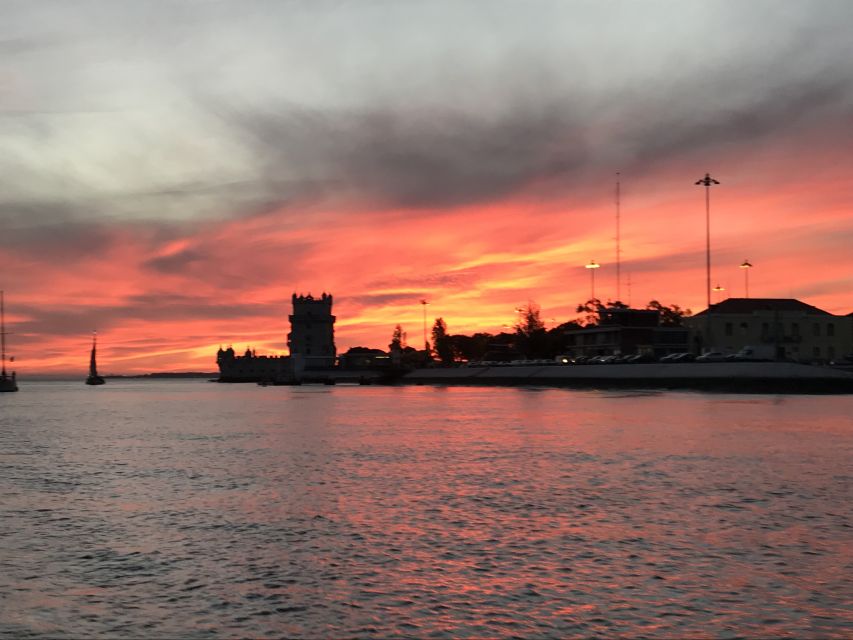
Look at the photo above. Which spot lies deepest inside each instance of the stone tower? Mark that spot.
(312, 331)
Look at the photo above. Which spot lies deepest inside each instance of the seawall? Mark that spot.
(761, 377)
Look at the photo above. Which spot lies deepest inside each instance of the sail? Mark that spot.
(94, 378)
(93, 368)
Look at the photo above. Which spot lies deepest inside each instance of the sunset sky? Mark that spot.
(171, 172)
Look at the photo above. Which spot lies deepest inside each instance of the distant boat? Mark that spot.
(94, 378)
(7, 383)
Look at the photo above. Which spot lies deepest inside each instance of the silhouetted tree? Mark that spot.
(529, 321)
(671, 316)
(441, 342)
(361, 350)
(471, 348)
(396, 339)
(593, 308)
(592, 312)
(530, 332)
(502, 347)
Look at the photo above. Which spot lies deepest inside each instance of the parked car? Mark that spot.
(684, 357)
(712, 356)
(640, 358)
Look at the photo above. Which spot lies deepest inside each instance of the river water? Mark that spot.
(195, 510)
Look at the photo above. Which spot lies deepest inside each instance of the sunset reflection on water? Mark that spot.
(198, 510)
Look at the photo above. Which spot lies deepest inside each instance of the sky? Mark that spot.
(171, 172)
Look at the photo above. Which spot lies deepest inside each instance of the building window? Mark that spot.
(816, 352)
(830, 352)
(765, 329)
(795, 329)
(744, 328)
(729, 328)
(816, 329)
(830, 330)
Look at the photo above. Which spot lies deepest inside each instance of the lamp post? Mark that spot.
(592, 266)
(718, 289)
(707, 182)
(424, 304)
(746, 266)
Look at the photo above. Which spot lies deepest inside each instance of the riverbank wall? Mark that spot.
(761, 377)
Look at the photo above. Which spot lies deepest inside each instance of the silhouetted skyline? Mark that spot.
(172, 172)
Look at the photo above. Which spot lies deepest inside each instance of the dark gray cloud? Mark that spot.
(438, 159)
(417, 159)
(179, 111)
(453, 278)
(379, 299)
(176, 262)
(58, 239)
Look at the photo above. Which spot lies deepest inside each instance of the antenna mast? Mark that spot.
(618, 241)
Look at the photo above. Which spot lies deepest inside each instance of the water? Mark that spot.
(182, 508)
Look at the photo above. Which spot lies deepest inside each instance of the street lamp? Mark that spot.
(718, 289)
(592, 266)
(746, 266)
(707, 182)
(424, 304)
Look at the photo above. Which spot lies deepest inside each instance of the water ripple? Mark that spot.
(189, 510)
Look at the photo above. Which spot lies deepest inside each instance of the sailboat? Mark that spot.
(94, 378)
(7, 383)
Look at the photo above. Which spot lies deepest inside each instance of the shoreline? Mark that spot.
(743, 377)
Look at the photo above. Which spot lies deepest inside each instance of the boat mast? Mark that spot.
(3, 334)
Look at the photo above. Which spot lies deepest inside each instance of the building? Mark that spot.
(626, 332)
(251, 367)
(786, 328)
(311, 341)
(312, 331)
(365, 359)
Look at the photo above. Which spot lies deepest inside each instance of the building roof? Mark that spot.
(751, 305)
